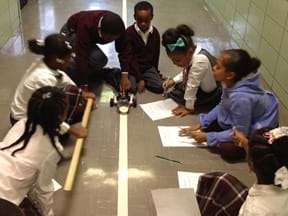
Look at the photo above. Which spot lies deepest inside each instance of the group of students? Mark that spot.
(53, 91)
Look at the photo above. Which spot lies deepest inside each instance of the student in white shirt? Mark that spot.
(268, 159)
(267, 152)
(48, 71)
(195, 87)
(31, 150)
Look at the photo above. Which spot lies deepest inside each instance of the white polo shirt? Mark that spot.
(200, 75)
(265, 200)
(37, 75)
(31, 170)
(144, 35)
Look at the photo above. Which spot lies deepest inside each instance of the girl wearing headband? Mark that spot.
(195, 87)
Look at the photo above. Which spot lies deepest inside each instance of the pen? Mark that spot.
(165, 88)
(168, 159)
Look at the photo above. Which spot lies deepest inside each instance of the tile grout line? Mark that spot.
(122, 200)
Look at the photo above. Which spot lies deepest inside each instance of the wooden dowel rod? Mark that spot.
(77, 150)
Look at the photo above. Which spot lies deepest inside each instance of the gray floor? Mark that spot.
(95, 191)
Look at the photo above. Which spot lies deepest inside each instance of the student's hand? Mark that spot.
(84, 87)
(168, 83)
(187, 131)
(79, 132)
(239, 139)
(182, 111)
(141, 86)
(125, 83)
(86, 95)
(199, 136)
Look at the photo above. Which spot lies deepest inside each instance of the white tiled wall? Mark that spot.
(9, 19)
(260, 27)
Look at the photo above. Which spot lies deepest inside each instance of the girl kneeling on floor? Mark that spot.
(31, 150)
(195, 87)
(50, 71)
(244, 105)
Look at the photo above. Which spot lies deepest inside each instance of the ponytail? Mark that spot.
(185, 30)
(36, 46)
(241, 63)
(53, 45)
(254, 65)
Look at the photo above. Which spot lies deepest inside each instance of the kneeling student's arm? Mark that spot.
(79, 132)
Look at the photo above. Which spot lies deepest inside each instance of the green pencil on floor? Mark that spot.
(168, 159)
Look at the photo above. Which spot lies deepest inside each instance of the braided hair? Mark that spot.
(46, 108)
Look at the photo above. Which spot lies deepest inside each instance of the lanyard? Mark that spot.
(186, 71)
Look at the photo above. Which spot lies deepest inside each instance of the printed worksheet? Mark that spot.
(56, 185)
(159, 109)
(170, 137)
(188, 179)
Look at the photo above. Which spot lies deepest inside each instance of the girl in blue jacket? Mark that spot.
(244, 105)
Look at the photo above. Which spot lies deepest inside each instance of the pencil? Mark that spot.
(168, 159)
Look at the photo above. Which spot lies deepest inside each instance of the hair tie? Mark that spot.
(281, 177)
(46, 95)
(179, 43)
(68, 45)
(40, 42)
(275, 134)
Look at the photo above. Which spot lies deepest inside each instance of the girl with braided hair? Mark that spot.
(30, 151)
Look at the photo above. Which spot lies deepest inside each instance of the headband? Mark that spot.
(46, 95)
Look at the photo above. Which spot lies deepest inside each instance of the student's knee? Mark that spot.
(231, 152)
(177, 96)
(133, 82)
(157, 89)
(98, 59)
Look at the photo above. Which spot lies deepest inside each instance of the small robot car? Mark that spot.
(123, 102)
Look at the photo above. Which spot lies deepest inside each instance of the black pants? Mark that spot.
(152, 78)
(204, 101)
(153, 81)
(228, 150)
(97, 59)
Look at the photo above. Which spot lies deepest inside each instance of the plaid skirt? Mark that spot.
(220, 194)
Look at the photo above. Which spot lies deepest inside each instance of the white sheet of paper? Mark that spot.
(170, 138)
(188, 179)
(159, 109)
(174, 201)
(56, 185)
